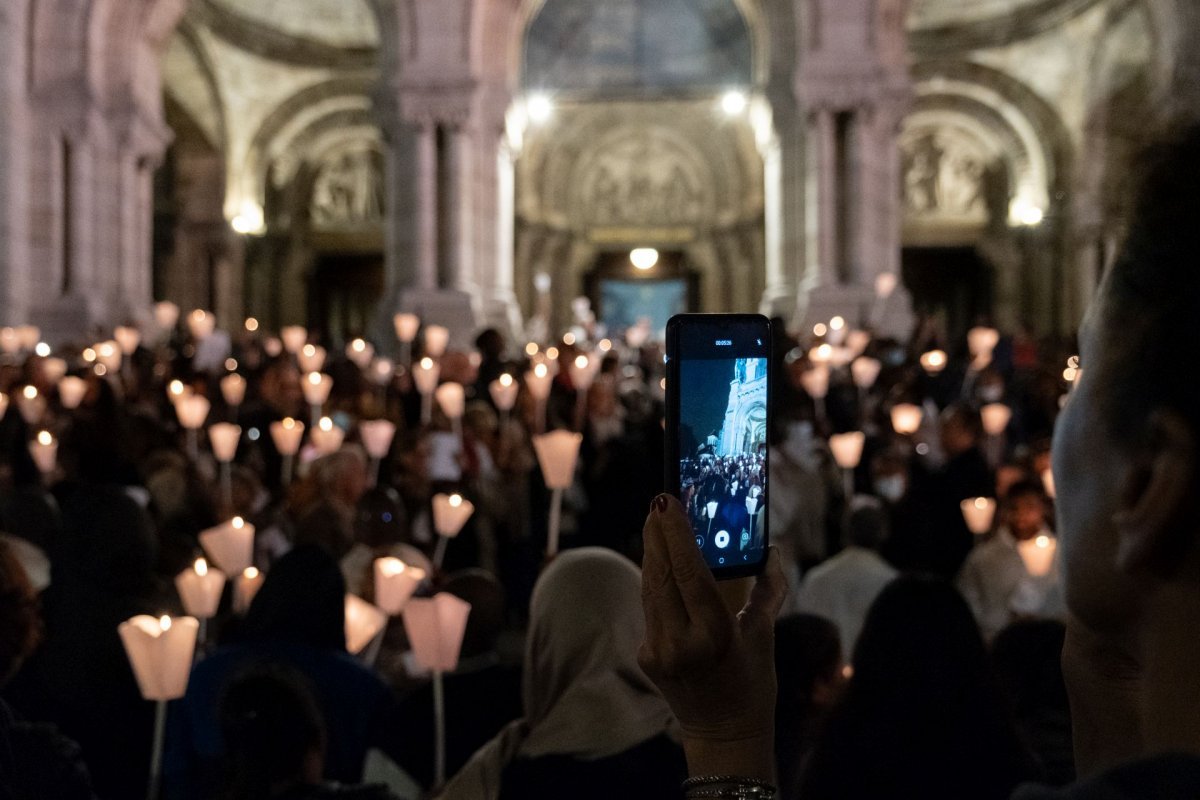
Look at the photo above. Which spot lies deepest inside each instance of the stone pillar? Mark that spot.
(14, 166)
(426, 205)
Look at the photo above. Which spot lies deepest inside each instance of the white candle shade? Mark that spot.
(286, 435)
(450, 513)
(30, 404)
(311, 358)
(317, 387)
(435, 628)
(327, 437)
(245, 588)
(979, 513)
(53, 369)
(28, 336)
(71, 391)
(847, 448)
(906, 418)
(934, 362)
(982, 342)
(437, 339)
(711, 508)
(201, 324)
(192, 410)
(821, 354)
(127, 338)
(538, 381)
(1038, 555)
(360, 352)
(452, 399)
(44, 450)
(233, 389)
(996, 417)
(865, 371)
(557, 453)
(177, 390)
(230, 545)
(377, 435)
(406, 326)
(166, 314)
(293, 337)
(857, 342)
(885, 284)
(395, 583)
(224, 437)
(504, 392)
(425, 375)
(200, 588)
(109, 354)
(9, 341)
(363, 623)
(815, 381)
(1048, 483)
(583, 371)
(160, 652)
(382, 370)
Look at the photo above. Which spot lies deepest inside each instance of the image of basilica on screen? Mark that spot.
(722, 446)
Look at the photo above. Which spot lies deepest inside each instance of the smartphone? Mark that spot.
(718, 414)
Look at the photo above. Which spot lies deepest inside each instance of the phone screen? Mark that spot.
(718, 390)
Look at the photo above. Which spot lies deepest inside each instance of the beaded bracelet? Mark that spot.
(732, 787)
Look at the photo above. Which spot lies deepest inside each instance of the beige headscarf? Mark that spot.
(584, 693)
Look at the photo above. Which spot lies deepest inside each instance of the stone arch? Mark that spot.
(216, 128)
(1176, 25)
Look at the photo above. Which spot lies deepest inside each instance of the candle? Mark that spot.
(326, 437)
(436, 340)
(406, 326)
(836, 332)
(847, 448)
(395, 583)
(435, 628)
(294, 337)
(230, 545)
(1038, 555)
(311, 358)
(31, 405)
(583, 372)
(376, 436)
(450, 514)
(272, 346)
(28, 336)
(54, 369)
(557, 453)
(176, 390)
(71, 391)
(166, 314)
(821, 354)
(160, 652)
(200, 589)
(885, 284)
(857, 342)
(452, 399)
(286, 435)
(245, 588)
(3, 405)
(979, 513)
(425, 375)
(192, 411)
(906, 418)
(865, 371)
(233, 389)
(382, 370)
(9, 342)
(109, 354)
(127, 338)
(995, 417)
(44, 450)
(504, 392)
(317, 387)
(363, 623)
(538, 382)
(201, 324)
(360, 352)
(934, 362)
(816, 381)
(982, 343)
(224, 437)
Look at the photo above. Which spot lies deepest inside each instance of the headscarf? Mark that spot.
(584, 694)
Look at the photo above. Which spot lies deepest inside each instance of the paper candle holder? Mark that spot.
(435, 628)
(406, 326)
(821, 354)
(1038, 555)
(934, 362)
(847, 448)
(245, 588)
(71, 391)
(996, 417)
(200, 588)
(450, 514)
(382, 370)
(192, 411)
(54, 369)
(224, 438)
(30, 404)
(1048, 483)
(557, 453)
(10, 343)
(906, 418)
(311, 358)
(979, 513)
(166, 315)
(360, 352)
(583, 371)
(857, 342)
(425, 375)
(395, 583)
(452, 399)
(293, 337)
(982, 342)
(865, 371)
(127, 338)
(437, 339)
(327, 437)
(504, 392)
(109, 355)
(316, 388)
(44, 450)
(28, 336)
(230, 545)
(233, 389)
(363, 623)
(160, 652)
(201, 324)
(377, 435)
(286, 435)
(538, 381)
(815, 381)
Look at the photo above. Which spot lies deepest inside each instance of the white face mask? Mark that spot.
(890, 487)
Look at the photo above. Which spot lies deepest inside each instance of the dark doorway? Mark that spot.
(344, 293)
(952, 281)
(622, 294)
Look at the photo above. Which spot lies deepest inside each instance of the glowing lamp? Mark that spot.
(437, 339)
(504, 392)
(847, 448)
(450, 514)
(1038, 555)
(538, 381)
(317, 387)
(44, 450)
(245, 588)
(160, 652)
(326, 437)
(906, 418)
(311, 358)
(30, 404)
(230, 545)
(71, 391)
(224, 437)
(982, 343)
(286, 435)
(360, 352)
(996, 417)
(395, 583)
(934, 362)
(200, 589)
(979, 513)
(435, 628)
(425, 375)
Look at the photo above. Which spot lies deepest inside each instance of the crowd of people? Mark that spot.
(915, 649)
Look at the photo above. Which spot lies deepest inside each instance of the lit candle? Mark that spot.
(979, 514)
(317, 387)
(200, 589)
(363, 623)
(557, 453)
(934, 362)
(44, 450)
(230, 545)
(326, 437)
(504, 392)
(31, 405)
(437, 339)
(192, 411)
(286, 435)
(995, 417)
(450, 514)
(224, 437)
(54, 369)
(406, 326)
(451, 399)
(201, 324)
(245, 588)
(3, 405)
(857, 342)
(360, 352)
(109, 354)
(272, 346)
(9, 342)
(127, 338)
(583, 372)
(906, 418)
(176, 390)
(1048, 483)
(425, 376)
(815, 381)
(293, 337)
(382, 370)
(821, 354)
(166, 314)
(837, 331)
(1038, 555)
(885, 284)
(847, 448)
(311, 358)
(982, 343)
(160, 652)
(233, 389)
(865, 371)
(377, 435)
(395, 583)
(28, 336)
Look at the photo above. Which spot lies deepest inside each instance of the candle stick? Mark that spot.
(451, 399)
(316, 392)
(557, 453)
(246, 587)
(450, 514)
(311, 358)
(377, 436)
(230, 545)
(538, 381)
(425, 376)
(44, 450)
(293, 338)
(233, 389)
(286, 435)
(395, 583)
(979, 514)
(1038, 555)
(847, 452)
(406, 326)
(71, 391)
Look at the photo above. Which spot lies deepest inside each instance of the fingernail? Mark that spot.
(660, 503)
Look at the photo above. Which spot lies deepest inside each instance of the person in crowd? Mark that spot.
(994, 580)
(324, 504)
(810, 669)
(594, 726)
(843, 588)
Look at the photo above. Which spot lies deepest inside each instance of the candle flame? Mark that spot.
(30, 392)
(981, 503)
(820, 329)
(531, 349)
(825, 352)
(238, 523)
(569, 338)
(176, 387)
(426, 363)
(358, 345)
(288, 423)
(201, 567)
(1042, 542)
(250, 573)
(391, 567)
(455, 500)
(552, 353)
(309, 350)
(251, 324)
(164, 622)
(45, 439)
(89, 354)
(106, 350)
(605, 345)
(540, 370)
(314, 378)
(837, 323)
(326, 424)
(581, 362)
(198, 315)
(506, 380)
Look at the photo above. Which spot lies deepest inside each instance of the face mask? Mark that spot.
(890, 488)
(993, 393)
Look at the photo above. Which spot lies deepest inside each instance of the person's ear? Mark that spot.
(1156, 520)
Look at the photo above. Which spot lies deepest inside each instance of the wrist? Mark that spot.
(750, 757)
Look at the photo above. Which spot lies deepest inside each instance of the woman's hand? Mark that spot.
(715, 668)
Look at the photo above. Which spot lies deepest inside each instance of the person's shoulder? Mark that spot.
(1165, 777)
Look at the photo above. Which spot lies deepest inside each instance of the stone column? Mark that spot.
(426, 207)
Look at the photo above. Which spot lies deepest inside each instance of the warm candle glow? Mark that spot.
(238, 523)
(506, 380)
(233, 389)
(455, 500)
(979, 513)
(847, 448)
(605, 345)
(435, 628)
(569, 338)
(557, 453)
(552, 353)
(581, 362)
(250, 573)
(934, 362)
(865, 371)
(251, 324)
(30, 392)
(406, 326)
(395, 583)
(450, 514)
(201, 567)
(437, 339)
(1038, 555)
(996, 417)
(531, 349)
(906, 418)
(164, 623)
(326, 424)
(540, 370)
(44, 438)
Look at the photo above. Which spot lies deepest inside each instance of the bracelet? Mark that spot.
(733, 787)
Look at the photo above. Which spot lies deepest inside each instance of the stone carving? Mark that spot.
(348, 191)
(642, 179)
(944, 177)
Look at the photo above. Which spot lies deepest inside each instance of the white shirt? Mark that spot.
(997, 587)
(843, 589)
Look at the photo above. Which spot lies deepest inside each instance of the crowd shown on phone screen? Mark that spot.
(917, 652)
